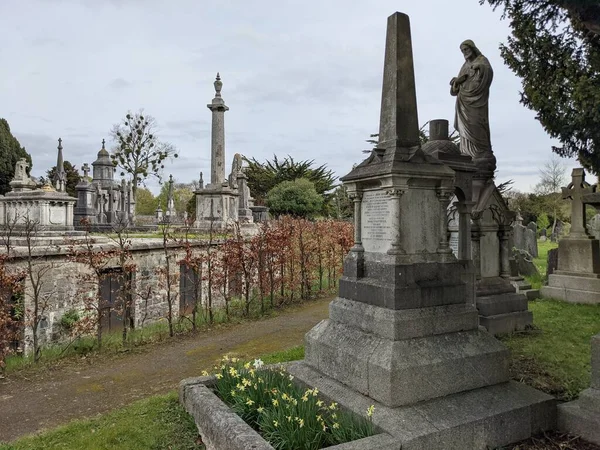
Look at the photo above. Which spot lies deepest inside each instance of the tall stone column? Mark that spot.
(356, 197)
(217, 151)
(504, 236)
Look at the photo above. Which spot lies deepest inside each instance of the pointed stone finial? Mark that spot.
(399, 123)
(60, 144)
(103, 144)
(218, 85)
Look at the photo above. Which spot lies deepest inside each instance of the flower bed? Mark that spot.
(283, 413)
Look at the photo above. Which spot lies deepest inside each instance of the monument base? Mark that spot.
(483, 418)
(573, 288)
(501, 309)
(582, 417)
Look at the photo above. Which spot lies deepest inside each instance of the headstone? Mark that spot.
(533, 227)
(594, 226)
(525, 238)
(552, 262)
(525, 264)
(543, 232)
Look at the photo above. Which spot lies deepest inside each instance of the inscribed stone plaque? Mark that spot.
(453, 241)
(377, 221)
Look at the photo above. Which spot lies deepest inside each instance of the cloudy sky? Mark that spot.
(301, 78)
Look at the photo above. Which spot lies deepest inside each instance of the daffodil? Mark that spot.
(335, 426)
(204, 373)
(275, 402)
(219, 376)
(258, 363)
(247, 366)
(370, 410)
(260, 409)
(275, 423)
(250, 402)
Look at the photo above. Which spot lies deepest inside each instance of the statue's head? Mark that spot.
(469, 50)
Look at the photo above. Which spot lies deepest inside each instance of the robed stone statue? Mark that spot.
(472, 91)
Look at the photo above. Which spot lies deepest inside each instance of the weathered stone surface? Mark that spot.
(525, 263)
(392, 372)
(219, 426)
(579, 256)
(582, 417)
(552, 262)
(572, 288)
(483, 418)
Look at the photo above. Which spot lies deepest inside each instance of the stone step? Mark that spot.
(571, 295)
(507, 323)
(590, 399)
(404, 323)
(577, 420)
(501, 304)
(532, 294)
(393, 372)
(578, 283)
(488, 417)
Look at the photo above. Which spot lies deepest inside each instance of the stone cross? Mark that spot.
(86, 170)
(575, 191)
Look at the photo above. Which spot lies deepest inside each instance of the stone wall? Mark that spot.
(60, 285)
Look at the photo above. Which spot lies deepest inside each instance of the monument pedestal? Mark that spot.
(216, 208)
(577, 279)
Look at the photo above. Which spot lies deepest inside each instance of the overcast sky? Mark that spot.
(300, 77)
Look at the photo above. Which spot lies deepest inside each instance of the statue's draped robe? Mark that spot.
(472, 120)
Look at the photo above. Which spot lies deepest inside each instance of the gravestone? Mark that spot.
(403, 333)
(552, 262)
(577, 277)
(582, 416)
(594, 226)
(525, 237)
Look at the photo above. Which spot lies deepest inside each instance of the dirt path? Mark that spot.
(53, 397)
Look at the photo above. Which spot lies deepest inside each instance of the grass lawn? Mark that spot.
(154, 423)
(555, 356)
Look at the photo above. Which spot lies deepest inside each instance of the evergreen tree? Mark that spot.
(10, 152)
(555, 50)
(72, 177)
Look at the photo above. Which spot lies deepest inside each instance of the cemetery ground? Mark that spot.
(553, 356)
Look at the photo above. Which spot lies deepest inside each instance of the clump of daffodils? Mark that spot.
(287, 416)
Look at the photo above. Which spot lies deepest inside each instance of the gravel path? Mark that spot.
(47, 398)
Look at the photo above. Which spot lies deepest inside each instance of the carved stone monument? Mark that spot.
(217, 203)
(403, 333)
(577, 278)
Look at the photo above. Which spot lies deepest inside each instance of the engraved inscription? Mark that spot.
(454, 243)
(376, 217)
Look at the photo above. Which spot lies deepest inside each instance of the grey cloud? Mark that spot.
(119, 83)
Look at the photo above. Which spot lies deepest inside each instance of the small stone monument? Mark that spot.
(45, 209)
(403, 333)
(577, 277)
(582, 416)
(170, 213)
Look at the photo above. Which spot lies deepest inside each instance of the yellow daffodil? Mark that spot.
(275, 402)
(219, 376)
(204, 373)
(275, 423)
(370, 410)
(250, 402)
(335, 426)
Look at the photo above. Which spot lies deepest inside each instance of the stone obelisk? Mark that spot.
(217, 151)
(403, 333)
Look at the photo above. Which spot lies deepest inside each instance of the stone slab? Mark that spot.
(501, 304)
(575, 419)
(582, 283)
(589, 399)
(507, 323)
(571, 295)
(532, 294)
(483, 418)
(406, 323)
(494, 286)
(393, 372)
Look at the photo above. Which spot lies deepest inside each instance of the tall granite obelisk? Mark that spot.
(217, 149)
(217, 203)
(403, 333)
(60, 176)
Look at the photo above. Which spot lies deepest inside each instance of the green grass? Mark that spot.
(157, 422)
(555, 356)
(541, 262)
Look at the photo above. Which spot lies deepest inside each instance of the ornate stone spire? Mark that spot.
(60, 176)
